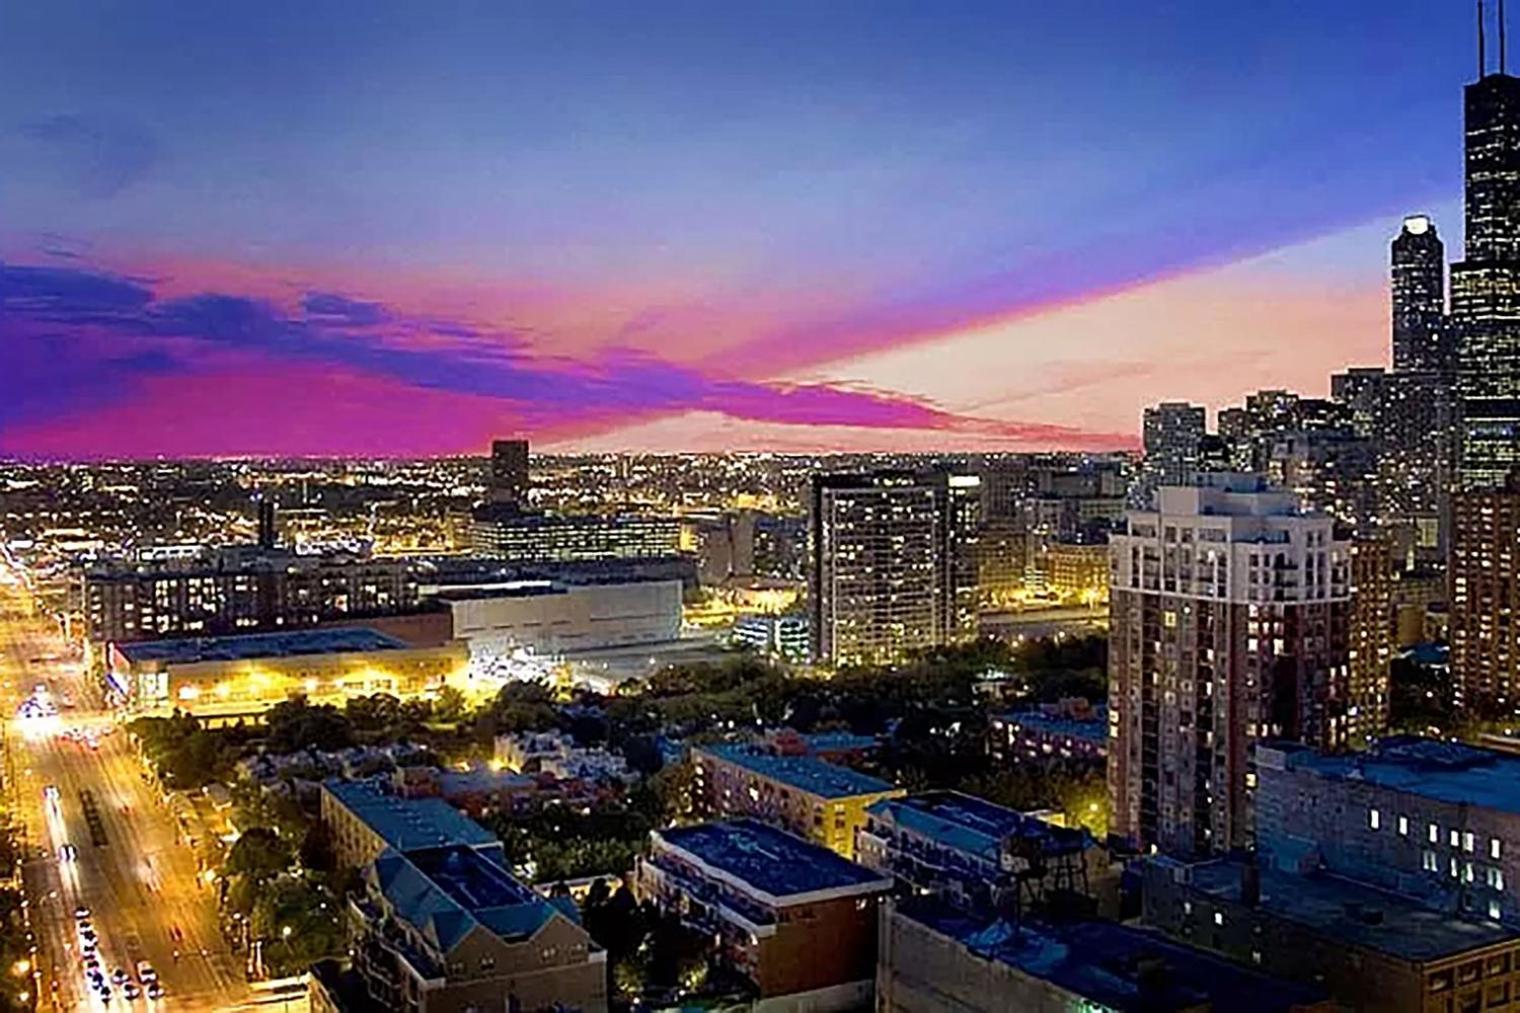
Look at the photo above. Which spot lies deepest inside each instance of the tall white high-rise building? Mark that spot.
(1230, 623)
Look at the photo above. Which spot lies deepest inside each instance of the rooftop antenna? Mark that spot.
(1482, 56)
(1503, 46)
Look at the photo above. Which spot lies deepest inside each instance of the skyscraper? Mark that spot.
(1485, 286)
(1172, 434)
(1421, 339)
(1485, 595)
(507, 484)
(1230, 622)
(893, 565)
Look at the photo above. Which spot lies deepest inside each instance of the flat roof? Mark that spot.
(805, 773)
(1353, 912)
(769, 860)
(409, 824)
(330, 640)
(974, 825)
(1093, 729)
(1430, 768)
(1107, 963)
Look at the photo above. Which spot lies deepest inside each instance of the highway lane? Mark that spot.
(145, 892)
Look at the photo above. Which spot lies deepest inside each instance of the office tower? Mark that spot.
(1172, 434)
(1485, 595)
(1421, 340)
(1485, 286)
(1330, 470)
(1372, 639)
(508, 482)
(893, 563)
(268, 533)
(1230, 620)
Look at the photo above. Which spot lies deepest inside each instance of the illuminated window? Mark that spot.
(1374, 819)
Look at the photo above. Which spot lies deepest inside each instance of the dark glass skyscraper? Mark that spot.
(1420, 335)
(1485, 287)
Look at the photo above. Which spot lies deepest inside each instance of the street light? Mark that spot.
(20, 967)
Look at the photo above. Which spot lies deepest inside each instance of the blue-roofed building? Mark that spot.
(1372, 949)
(1049, 734)
(363, 820)
(1432, 820)
(824, 802)
(447, 929)
(935, 959)
(975, 855)
(790, 915)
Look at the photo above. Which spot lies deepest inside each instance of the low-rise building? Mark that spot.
(1070, 730)
(975, 855)
(246, 675)
(363, 820)
(814, 799)
(783, 636)
(558, 618)
(934, 959)
(791, 916)
(556, 754)
(1374, 950)
(522, 537)
(1435, 821)
(448, 929)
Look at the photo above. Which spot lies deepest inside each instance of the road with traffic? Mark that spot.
(98, 837)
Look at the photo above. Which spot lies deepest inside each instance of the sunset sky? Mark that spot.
(401, 228)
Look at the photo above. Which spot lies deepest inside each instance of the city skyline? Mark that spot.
(356, 255)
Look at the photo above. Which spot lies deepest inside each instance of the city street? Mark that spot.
(147, 899)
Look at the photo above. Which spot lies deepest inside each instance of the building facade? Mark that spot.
(1485, 287)
(1372, 950)
(789, 915)
(553, 618)
(893, 563)
(244, 589)
(507, 483)
(1172, 433)
(1417, 259)
(1438, 822)
(1484, 576)
(976, 856)
(246, 675)
(1230, 617)
(935, 960)
(519, 537)
(448, 929)
(812, 798)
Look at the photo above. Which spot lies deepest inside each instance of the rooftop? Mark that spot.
(1430, 768)
(1352, 912)
(805, 773)
(1107, 963)
(409, 824)
(974, 825)
(770, 861)
(1093, 729)
(447, 892)
(341, 640)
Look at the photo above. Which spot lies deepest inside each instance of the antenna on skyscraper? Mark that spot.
(1482, 56)
(1503, 46)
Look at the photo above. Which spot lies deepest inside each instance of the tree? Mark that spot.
(260, 854)
(295, 725)
(450, 707)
